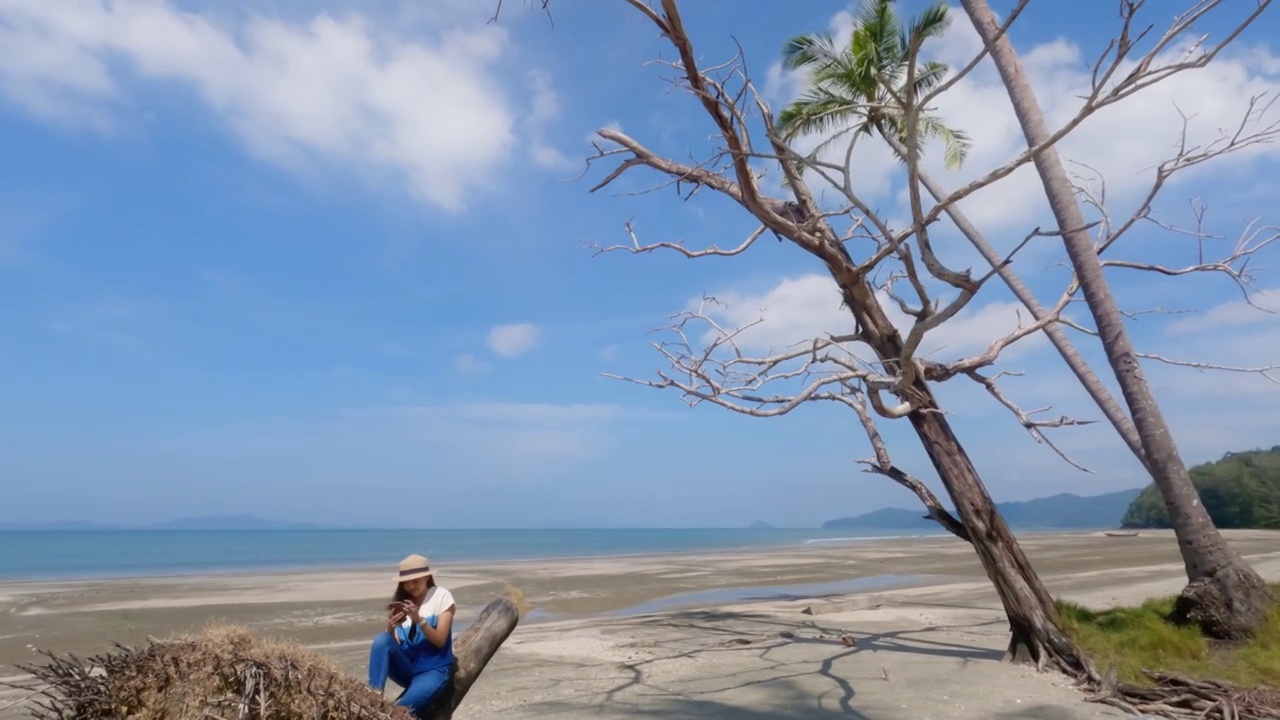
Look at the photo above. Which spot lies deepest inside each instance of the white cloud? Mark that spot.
(1233, 334)
(469, 364)
(608, 352)
(337, 90)
(1123, 142)
(1264, 310)
(546, 109)
(511, 341)
(614, 125)
(801, 308)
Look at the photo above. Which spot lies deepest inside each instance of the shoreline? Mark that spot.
(666, 634)
(494, 561)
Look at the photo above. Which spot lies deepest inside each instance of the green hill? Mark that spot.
(1058, 512)
(1242, 490)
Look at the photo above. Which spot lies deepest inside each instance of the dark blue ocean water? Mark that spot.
(122, 553)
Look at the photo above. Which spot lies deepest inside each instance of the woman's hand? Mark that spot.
(394, 618)
(411, 611)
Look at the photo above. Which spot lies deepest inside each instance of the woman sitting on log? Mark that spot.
(416, 649)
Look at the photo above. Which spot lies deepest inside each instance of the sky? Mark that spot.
(330, 262)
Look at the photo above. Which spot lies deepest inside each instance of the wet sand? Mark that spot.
(726, 634)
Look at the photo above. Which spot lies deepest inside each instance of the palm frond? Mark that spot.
(817, 112)
(956, 143)
(803, 51)
(931, 23)
(928, 75)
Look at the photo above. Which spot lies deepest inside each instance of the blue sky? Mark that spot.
(330, 265)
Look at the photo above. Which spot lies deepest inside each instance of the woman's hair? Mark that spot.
(402, 593)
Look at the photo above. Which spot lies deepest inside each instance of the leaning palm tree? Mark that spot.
(862, 86)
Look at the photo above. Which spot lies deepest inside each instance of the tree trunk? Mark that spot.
(1225, 597)
(472, 651)
(1033, 619)
(1036, 633)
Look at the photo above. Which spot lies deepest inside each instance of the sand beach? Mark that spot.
(683, 635)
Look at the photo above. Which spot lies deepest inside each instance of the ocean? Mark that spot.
(47, 555)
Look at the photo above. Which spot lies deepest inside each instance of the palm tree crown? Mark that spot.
(862, 86)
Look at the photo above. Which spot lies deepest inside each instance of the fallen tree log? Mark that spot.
(472, 651)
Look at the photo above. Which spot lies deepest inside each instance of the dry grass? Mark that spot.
(517, 598)
(224, 672)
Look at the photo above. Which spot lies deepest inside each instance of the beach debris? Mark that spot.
(857, 604)
(783, 634)
(226, 671)
(517, 597)
(845, 638)
(885, 671)
(223, 672)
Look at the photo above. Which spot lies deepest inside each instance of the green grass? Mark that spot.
(1132, 639)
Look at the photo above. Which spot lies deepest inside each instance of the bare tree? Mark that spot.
(1250, 132)
(874, 369)
(1225, 596)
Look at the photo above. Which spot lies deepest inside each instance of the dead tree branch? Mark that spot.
(872, 369)
(883, 465)
(1034, 427)
(1252, 129)
(1151, 68)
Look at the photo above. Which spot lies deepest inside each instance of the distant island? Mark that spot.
(1241, 491)
(1057, 512)
(207, 522)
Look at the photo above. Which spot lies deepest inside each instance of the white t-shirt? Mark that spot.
(433, 605)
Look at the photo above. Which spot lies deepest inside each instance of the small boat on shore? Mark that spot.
(1120, 533)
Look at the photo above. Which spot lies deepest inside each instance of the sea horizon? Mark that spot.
(44, 555)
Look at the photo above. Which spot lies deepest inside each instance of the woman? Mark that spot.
(416, 650)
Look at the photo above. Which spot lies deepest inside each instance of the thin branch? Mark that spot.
(1235, 265)
(1147, 71)
(1248, 132)
(635, 247)
(1034, 427)
(883, 465)
(545, 6)
(1266, 371)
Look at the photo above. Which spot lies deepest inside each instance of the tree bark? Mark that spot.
(1225, 597)
(1033, 619)
(472, 651)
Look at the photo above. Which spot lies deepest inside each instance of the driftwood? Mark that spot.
(472, 652)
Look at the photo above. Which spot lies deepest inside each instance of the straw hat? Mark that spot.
(414, 567)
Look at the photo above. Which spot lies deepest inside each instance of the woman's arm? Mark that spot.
(444, 622)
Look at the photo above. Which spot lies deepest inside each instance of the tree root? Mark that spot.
(1230, 605)
(1172, 696)
(1179, 698)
